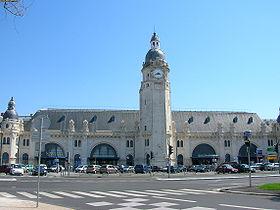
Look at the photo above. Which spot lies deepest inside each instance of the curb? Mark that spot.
(231, 190)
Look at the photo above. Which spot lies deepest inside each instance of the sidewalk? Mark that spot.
(250, 191)
(12, 203)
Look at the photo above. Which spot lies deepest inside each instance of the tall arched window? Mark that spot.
(228, 143)
(27, 142)
(25, 158)
(23, 143)
(182, 144)
(5, 158)
(178, 143)
(4, 140)
(79, 143)
(127, 143)
(75, 143)
(131, 143)
(225, 142)
(8, 140)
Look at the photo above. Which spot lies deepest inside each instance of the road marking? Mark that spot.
(182, 191)
(8, 180)
(108, 194)
(199, 208)
(7, 195)
(164, 193)
(129, 194)
(103, 203)
(244, 207)
(88, 194)
(26, 194)
(203, 191)
(175, 199)
(145, 193)
(49, 195)
(68, 194)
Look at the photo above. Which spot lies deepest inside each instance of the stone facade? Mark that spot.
(82, 136)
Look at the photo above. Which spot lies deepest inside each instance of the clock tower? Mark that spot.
(155, 112)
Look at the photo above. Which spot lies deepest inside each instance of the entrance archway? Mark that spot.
(227, 158)
(148, 160)
(53, 154)
(180, 160)
(129, 160)
(77, 160)
(103, 154)
(5, 158)
(25, 159)
(243, 154)
(204, 154)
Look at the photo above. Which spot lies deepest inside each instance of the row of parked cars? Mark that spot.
(20, 169)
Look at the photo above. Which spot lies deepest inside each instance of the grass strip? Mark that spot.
(270, 186)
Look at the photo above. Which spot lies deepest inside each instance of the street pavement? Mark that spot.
(139, 192)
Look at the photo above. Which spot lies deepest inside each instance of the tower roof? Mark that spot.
(155, 52)
(11, 111)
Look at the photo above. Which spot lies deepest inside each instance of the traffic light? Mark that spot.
(152, 155)
(170, 150)
(276, 148)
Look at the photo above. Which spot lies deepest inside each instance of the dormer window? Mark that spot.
(93, 119)
(190, 120)
(235, 120)
(112, 119)
(207, 120)
(250, 120)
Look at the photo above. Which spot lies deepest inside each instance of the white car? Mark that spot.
(17, 170)
(81, 169)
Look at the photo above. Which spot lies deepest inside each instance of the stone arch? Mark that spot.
(53, 154)
(204, 154)
(243, 154)
(227, 158)
(103, 153)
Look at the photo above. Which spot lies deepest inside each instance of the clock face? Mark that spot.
(157, 73)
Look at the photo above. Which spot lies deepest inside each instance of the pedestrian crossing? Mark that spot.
(110, 193)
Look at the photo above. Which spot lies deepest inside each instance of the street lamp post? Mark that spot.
(39, 161)
(247, 135)
(1, 135)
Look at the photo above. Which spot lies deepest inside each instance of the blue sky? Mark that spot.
(223, 55)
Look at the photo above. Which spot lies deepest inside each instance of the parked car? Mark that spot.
(200, 168)
(5, 169)
(108, 169)
(43, 171)
(256, 166)
(273, 166)
(192, 168)
(156, 169)
(55, 168)
(245, 168)
(29, 168)
(226, 168)
(128, 169)
(81, 169)
(93, 169)
(44, 166)
(142, 169)
(172, 169)
(17, 169)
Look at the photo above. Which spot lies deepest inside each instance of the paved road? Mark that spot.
(138, 192)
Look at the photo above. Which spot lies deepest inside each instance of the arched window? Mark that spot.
(27, 142)
(182, 144)
(8, 140)
(131, 143)
(53, 150)
(180, 159)
(79, 143)
(127, 143)
(228, 143)
(225, 142)
(4, 140)
(23, 143)
(75, 143)
(25, 158)
(5, 158)
(178, 143)
(227, 158)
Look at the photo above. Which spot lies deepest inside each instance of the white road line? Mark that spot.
(164, 192)
(108, 194)
(128, 194)
(49, 195)
(68, 194)
(244, 207)
(28, 195)
(182, 191)
(145, 193)
(199, 208)
(203, 191)
(88, 194)
(8, 180)
(7, 195)
(175, 199)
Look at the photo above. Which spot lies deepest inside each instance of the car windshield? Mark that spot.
(17, 166)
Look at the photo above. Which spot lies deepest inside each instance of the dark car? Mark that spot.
(142, 169)
(200, 168)
(43, 171)
(226, 168)
(192, 168)
(156, 169)
(5, 169)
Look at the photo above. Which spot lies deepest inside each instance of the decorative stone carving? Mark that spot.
(85, 126)
(71, 125)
